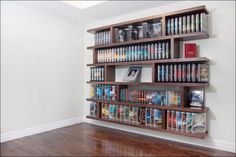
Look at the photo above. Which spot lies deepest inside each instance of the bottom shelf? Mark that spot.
(195, 135)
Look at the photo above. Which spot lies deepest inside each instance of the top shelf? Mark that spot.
(197, 9)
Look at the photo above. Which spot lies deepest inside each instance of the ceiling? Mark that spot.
(105, 10)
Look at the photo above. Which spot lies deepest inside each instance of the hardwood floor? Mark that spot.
(90, 140)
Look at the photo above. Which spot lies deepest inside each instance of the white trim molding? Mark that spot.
(210, 143)
(39, 129)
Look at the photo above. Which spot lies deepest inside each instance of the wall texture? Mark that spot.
(219, 48)
(41, 65)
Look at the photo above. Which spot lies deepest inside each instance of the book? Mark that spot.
(196, 98)
(173, 120)
(147, 27)
(203, 22)
(202, 73)
(126, 109)
(142, 115)
(199, 123)
(152, 117)
(93, 109)
(111, 110)
(147, 116)
(122, 113)
(189, 122)
(178, 121)
(115, 112)
(183, 120)
(169, 119)
(131, 114)
(190, 50)
(156, 29)
(157, 118)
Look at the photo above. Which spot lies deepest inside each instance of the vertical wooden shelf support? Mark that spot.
(110, 72)
(175, 52)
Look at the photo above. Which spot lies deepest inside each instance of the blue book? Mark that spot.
(178, 121)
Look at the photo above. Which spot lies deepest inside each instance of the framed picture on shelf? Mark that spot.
(132, 74)
(196, 98)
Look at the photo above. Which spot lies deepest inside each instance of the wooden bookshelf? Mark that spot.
(174, 41)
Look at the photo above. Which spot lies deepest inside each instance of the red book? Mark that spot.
(190, 50)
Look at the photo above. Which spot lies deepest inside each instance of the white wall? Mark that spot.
(219, 48)
(42, 76)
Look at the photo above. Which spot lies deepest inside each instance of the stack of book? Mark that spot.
(186, 121)
(131, 114)
(102, 38)
(187, 24)
(163, 98)
(182, 72)
(154, 51)
(134, 32)
(97, 74)
(104, 92)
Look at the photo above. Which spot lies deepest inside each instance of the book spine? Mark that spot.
(176, 26)
(180, 25)
(184, 24)
(188, 24)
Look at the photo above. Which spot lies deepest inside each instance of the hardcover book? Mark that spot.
(178, 121)
(196, 98)
(157, 118)
(199, 123)
(189, 122)
(190, 50)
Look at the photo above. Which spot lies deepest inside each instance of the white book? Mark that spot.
(193, 23)
(184, 24)
(203, 22)
(188, 24)
(180, 25)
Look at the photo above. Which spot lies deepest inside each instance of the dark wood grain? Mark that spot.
(161, 61)
(90, 140)
(174, 84)
(184, 109)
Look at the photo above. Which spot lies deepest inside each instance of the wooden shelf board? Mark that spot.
(186, 109)
(176, 84)
(184, 37)
(197, 135)
(150, 62)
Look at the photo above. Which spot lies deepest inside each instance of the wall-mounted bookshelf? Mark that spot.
(109, 44)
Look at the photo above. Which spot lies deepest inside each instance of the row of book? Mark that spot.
(102, 38)
(132, 32)
(160, 50)
(163, 98)
(104, 92)
(182, 72)
(132, 114)
(97, 74)
(187, 24)
(186, 121)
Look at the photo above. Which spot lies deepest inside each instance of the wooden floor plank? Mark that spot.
(91, 140)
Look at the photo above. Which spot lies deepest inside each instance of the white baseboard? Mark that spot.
(215, 144)
(39, 129)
